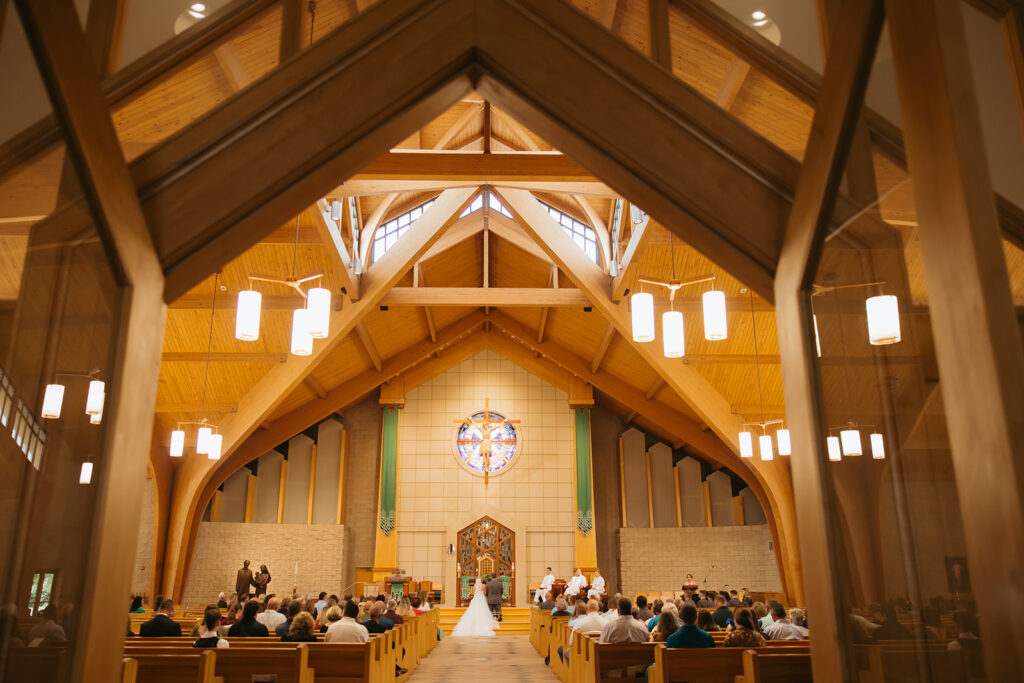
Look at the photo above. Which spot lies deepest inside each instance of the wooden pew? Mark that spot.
(196, 666)
(346, 662)
(37, 664)
(764, 666)
(239, 665)
(560, 633)
(705, 665)
(129, 670)
(603, 658)
(900, 663)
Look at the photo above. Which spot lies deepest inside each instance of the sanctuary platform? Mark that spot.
(515, 620)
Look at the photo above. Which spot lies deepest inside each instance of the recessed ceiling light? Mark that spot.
(197, 10)
(758, 15)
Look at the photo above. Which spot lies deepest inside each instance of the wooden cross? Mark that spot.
(486, 426)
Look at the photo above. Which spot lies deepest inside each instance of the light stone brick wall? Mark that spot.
(437, 497)
(142, 572)
(223, 546)
(660, 559)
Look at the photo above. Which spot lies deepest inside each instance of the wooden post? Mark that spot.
(661, 42)
(312, 485)
(291, 29)
(104, 28)
(974, 323)
(282, 484)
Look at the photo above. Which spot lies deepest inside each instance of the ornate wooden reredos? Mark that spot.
(485, 547)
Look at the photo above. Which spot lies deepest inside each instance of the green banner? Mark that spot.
(584, 504)
(388, 469)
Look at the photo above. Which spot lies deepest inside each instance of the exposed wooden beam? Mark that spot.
(602, 348)
(661, 40)
(104, 28)
(428, 312)
(223, 357)
(315, 386)
(291, 29)
(359, 187)
(517, 297)
(232, 67)
(219, 408)
(627, 268)
(330, 234)
(371, 348)
(735, 75)
(542, 325)
(476, 167)
(501, 226)
(654, 388)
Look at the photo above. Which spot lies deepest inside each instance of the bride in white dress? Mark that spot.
(477, 620)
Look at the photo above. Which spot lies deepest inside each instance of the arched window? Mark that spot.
(388, 234)
(581, 234)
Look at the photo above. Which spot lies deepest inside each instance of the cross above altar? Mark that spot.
(487, 427)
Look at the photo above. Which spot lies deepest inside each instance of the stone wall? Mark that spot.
(222, 547)
(142, 571)
(659, 559)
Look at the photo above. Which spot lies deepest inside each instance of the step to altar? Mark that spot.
(515, 621)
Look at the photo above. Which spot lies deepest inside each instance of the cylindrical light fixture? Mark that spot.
(765, 442)
(850, 440)
(177, 443)
(247, 315)
(302, 343)
(877, 446)
(746, 445)
(817, 339)
(53, 400)
(673, 334)
(643, 316)
(716, 325)
(785, 447)
(883, 320)
(318, 303)
(834, 454)
(203, 440)
(215, 443)
(335, 210)
(85, 477)
(96, 419)
(94, 399)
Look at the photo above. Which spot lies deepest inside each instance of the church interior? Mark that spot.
(612, 299)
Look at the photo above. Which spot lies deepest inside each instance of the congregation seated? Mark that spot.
(642, 613)
(624, 628)
(786, 628)
(294, 607)
(329, 616)
(706, 623)
(612, 612)
(744, 633)
(561, 608)
(734, 598)
(392, 614)
(767, 619)
(47, 629)
(271, 617)
(161, 625)
(722, 614)
(591, 622)
(704, 600)
(967, 632)
(373, 623)
(136, 606)
(667, 624)
(579, 611)
(347, 629)
(690, 635)
(221, 601)
(301, 629)
(891, 628)
(247, 626)
(208, 632)
(234, 614)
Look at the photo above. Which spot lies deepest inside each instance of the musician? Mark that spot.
(597, 587)
(577, 583)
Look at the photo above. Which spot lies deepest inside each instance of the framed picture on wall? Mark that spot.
(957, 576)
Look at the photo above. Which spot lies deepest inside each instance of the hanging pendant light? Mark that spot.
(877, 446)
(746, 445)
(247, 315)
(716, 325)
(302, 343)
(765, 442)
(850, 441)
(215, 442)
(643, 316)
(318, 303)
(177, 443)
(834, 453)
(85, 476)
(203, 440)
(94, 399)
(53, 401)
(336, 210)
(96, 419)
(785, 447)
(673, 334)
(883, 320)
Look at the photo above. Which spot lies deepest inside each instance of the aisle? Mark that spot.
(510, 658)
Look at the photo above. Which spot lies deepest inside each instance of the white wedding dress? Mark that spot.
(477, 620)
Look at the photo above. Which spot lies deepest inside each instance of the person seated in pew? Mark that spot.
(208, 634)
(199, 625)
(320, 604)
(745, 598)
(642, 613)
(624, 628)
(706, 623)
(734, 598)
(373, 623)
(416, 604)
(590, 622)
(666, 626)
(690, 634)
(328, 617)
(136, 606)
(967, 632)
(391, 613)
(404, 608)
(301, 630)
(767, 619)
(247, 626)
(704, 600)
(744, 633)
(383, 619)
(160, 626)
(614, 604)
(722, 614)
(579, 611)
(234, 614)
(49, 630)
(347, 629)
(222, 603)
(294, 608)
(786, 628)
(656, 608)
(549, 602)
(891, 628)
(271, 617)
(561, 608)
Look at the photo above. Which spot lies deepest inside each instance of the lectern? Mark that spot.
(397, 586)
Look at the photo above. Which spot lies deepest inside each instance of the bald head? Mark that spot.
(593, 606)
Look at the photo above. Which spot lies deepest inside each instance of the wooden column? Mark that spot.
(974, 323)
(291, 29)
(104, 28)
(661, 42)
(65, 63)
(839, 105)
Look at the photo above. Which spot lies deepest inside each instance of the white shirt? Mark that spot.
(576, 584)
(348, 630)
(784, 629)
(597, 588)
(588, 623)
(213, 634)
(270, 618)
(547, 582)
(624, 629)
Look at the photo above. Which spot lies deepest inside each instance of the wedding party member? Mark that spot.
(494, 591)
(576, 583)
(597, 586)
(545, 585)
(477, 620)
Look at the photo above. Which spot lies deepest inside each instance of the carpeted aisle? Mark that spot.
(508, 658)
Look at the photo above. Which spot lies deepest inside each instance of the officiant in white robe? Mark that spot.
(576, 583)
(597, 586)
(545, 585)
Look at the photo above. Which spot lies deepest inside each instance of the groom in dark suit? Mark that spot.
(493, 592)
